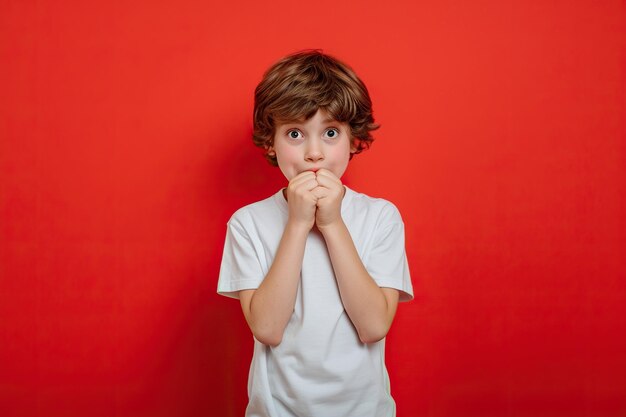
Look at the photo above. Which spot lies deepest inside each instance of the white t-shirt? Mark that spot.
(321, 368)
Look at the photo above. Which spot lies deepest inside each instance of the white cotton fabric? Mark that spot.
(321, 368)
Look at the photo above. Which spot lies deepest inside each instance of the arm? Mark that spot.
(268, 308)
(370, 307)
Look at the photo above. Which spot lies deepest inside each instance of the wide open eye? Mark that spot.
(294, 134)
(332, 133)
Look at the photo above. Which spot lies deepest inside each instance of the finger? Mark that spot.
(310, 184)
(329, 181)
(297, 181)
(303, 187)
(320, 192)
(303, 176)
(325, 173)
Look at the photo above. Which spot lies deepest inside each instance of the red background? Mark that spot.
(125, 147)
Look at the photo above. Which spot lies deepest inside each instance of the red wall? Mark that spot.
(125, 147)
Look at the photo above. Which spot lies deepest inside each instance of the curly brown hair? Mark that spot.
(295, 87)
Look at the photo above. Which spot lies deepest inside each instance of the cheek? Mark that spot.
(286, 154)
(341, 153)
(340, 159)
(287, 157)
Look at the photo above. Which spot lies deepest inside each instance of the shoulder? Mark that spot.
(260, 217)
(258, 209)
(379, 209)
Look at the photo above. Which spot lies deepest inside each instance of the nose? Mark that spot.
(314, 151)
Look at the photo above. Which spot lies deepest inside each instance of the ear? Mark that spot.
(353, 145)
(269, 148)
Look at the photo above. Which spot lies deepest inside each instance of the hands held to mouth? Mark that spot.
(314, 198)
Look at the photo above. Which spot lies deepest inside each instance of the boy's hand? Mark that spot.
(329, 195)
(301, 200)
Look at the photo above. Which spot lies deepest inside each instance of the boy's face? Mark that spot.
(309, 145)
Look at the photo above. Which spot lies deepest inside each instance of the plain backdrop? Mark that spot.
(125, 147)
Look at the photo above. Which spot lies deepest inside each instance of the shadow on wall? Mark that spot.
(244, 176)
(240, 176)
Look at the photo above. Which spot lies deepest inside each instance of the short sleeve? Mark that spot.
(240, 268)
(387, 262)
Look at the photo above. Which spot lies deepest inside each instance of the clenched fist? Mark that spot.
(301, 200)
(329, 194)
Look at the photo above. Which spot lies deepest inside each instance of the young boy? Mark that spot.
(318, 268)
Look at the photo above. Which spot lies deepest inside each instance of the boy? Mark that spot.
(318, 268)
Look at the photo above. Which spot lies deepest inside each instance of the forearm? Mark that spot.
(365, 302)
(272, 303)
